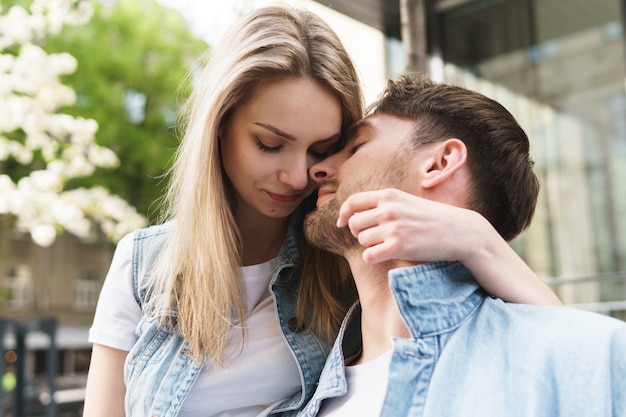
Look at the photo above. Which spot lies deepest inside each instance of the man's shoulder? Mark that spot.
(538, 360)
(567, 324)
(569, 313)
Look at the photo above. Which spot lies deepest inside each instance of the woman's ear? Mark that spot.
(446, 159)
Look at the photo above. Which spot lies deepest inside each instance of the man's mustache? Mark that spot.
(329, 184)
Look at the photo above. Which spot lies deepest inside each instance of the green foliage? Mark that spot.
(131, 47)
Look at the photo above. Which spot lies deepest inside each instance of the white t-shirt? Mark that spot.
(367, 386)
(264, 373)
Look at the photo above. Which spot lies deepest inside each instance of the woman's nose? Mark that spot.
(295, 175)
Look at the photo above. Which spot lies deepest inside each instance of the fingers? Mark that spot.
(356, 203)
(361, 222)
(372, 218)
(381, 252)
(390, 224)
(368, 200)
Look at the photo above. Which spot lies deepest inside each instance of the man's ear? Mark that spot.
(446, 159)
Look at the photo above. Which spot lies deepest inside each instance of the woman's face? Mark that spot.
(271, 141)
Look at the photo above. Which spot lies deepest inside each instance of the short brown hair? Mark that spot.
(505, 187)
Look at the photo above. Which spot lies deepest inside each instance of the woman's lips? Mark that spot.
(284, 198)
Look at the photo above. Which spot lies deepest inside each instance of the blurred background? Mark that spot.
(89, 95)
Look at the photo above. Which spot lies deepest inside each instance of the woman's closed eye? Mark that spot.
(318, 152)
(267, 148)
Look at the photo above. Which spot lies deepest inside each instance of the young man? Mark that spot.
(425, 339)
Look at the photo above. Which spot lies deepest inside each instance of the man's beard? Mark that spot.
(320, 226)
(320, 229)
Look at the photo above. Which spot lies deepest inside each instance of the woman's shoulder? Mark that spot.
(154, 230)
(148, 242)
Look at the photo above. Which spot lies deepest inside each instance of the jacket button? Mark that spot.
(294, 325)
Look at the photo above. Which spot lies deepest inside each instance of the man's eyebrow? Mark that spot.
(357, 127)
(286, 135)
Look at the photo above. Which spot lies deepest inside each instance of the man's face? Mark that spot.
(376, 157)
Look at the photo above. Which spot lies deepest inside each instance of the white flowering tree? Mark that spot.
(51, 147)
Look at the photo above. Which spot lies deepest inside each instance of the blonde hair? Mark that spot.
(196, 277)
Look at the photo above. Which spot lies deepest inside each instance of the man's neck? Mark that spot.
(380, 320)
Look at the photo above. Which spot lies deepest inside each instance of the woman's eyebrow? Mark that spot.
(276, 131)
(286, 135)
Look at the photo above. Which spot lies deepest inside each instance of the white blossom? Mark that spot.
(16, 25)
(102, 157)
(45, 180)
(43, 234)
(31, 94)
(7, 191)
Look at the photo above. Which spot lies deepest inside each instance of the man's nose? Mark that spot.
(324, 169)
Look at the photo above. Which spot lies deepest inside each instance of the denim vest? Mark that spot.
(472, 355)
(159, 370)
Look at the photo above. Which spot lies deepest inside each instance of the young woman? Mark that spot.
(207, 314)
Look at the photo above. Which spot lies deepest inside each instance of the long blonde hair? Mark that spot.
(196, 277)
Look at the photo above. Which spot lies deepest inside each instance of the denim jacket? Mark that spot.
(159, 370)
(473, 355)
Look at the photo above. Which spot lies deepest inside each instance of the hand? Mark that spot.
(392, 224)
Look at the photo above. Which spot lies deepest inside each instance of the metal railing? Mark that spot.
(616, 307)
(20, 327)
